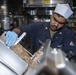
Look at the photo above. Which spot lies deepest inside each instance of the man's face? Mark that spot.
(56, 22)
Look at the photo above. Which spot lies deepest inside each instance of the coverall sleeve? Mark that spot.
(69, 43)
(29, 29)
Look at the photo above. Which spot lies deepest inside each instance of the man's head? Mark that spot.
(59, 17)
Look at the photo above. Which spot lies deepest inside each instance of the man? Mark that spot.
(54, 30)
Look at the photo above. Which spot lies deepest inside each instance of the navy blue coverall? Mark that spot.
(40, 31)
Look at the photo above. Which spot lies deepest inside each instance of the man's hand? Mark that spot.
(11, 38)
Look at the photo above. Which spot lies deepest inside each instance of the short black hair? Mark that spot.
(58, 14)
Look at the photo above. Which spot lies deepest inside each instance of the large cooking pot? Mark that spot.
(11, 63)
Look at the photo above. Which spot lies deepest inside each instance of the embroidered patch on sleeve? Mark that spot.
(71, 43)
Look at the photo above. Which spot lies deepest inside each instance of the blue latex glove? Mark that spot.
(11, 38)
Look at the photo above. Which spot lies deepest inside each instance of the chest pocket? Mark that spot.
(56, 41)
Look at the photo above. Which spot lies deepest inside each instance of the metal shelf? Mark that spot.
(38, 7)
